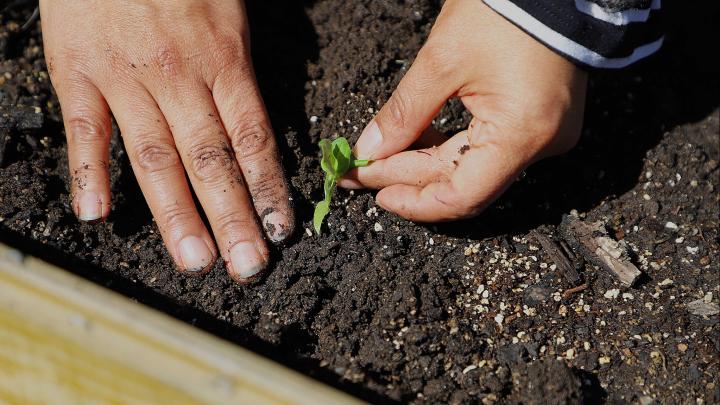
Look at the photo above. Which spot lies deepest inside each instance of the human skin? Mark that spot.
(177, 77)
(527, 104)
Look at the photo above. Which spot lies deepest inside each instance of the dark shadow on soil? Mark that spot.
(593, 392)
(627, 114)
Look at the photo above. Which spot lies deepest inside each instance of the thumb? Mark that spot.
(410, 110)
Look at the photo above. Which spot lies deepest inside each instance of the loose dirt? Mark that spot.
(499, 308)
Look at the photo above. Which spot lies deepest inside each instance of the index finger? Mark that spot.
(487, 166)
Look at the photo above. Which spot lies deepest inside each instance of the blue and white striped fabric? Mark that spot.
(586, 32)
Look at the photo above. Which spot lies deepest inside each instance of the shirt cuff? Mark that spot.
(587, 33)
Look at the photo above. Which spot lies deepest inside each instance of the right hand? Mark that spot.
(526, 101)
(178, 78)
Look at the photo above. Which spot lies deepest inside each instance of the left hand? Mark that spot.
(526, 100)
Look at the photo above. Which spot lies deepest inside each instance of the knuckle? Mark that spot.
(154, 156)
(250, 139)
(229, 59)
(168, 60)
(234, 228)
(71, 62)
(176, 216)
(230, 52)
(397, 108)
(116, 63)
(268, 188)
(436, 59)
(84, 130)
(210, 161)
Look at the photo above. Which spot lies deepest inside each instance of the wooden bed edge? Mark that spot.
(64, 339)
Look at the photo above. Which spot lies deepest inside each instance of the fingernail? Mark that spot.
(195, 254)
(246, 260)
(89, 206)
(276, 226)
(369, 141)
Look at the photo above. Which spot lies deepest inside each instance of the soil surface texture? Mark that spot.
(510, 307)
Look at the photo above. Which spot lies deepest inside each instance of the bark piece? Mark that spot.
(564, 266)
(591, 240)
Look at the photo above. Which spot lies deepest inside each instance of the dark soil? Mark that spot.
(464, 312)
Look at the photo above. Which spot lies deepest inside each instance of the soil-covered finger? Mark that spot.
(161, 177)
(217, 181)
(253, 143)
(87, 129)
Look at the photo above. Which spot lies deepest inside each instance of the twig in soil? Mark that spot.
(570, 291)
(591, 240)
(30, 21)
(33, 18)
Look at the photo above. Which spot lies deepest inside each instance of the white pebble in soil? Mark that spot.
(612, 294)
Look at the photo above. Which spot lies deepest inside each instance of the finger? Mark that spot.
(161, 177)
(244, 116)
(485, 169)
(87, 126)
(412, 106)
(216, 178)
(414, 167)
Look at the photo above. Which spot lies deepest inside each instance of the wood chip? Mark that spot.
(591, 240)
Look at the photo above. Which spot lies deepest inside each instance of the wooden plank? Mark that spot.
(64, 339)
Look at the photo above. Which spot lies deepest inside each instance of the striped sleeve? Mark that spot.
(606, 34)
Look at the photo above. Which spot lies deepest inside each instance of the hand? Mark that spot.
(526, 101)
(177, 76)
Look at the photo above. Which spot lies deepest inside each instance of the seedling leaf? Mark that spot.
(337, 159)
(342, 154)
(321, 210)
(327, 157)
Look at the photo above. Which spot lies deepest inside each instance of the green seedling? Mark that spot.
(337, 159)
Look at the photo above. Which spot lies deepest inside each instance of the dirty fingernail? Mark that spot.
(89, 206)
(246, 260)
(369, 141)
(194, 253)
(276, 226)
